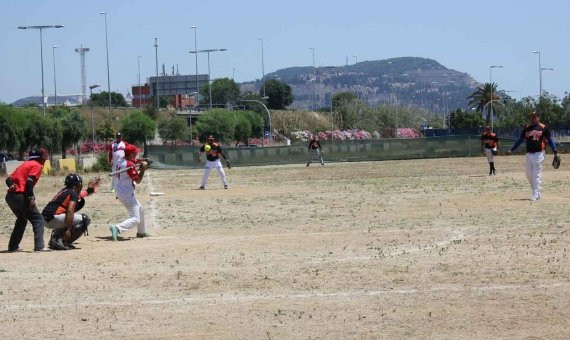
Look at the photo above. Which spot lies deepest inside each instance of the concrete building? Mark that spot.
(178, 84)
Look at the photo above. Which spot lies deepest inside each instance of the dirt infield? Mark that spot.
(399, 249)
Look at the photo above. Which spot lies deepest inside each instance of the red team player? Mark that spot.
(125, 192)
(490, 142)
(116, 156)
(536, 135)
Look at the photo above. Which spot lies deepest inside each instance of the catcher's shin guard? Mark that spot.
(80, 229)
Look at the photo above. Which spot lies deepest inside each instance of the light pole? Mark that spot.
(539, 75)
(268, 114)
(315, 76)
(491, 100)
(262, 66)
(209, 78)
(54, 77)
(332, 94)
(543, 69)
(195, 28)
(233, 73)
(91, 87)
(139, 77)
(41, 28)
(356, 62)
(107, 50)
(157, 99)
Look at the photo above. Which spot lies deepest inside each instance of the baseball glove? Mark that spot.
(556, 162)
(94, 183)
(228, 164)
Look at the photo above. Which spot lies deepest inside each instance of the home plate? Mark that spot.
(156, 194)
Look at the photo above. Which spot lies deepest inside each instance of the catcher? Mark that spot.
(490, 143)
(61, 213)
(213, 152)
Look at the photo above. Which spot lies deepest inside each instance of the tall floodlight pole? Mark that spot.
(156, 60)
(41, 28)
(544, 69)
(54, 76)
(233, 73)
(356, 72)
(315, 76)
(91, 87)
(82, 52)
(539, 75)
(195, 28)
(209, 74)
(262, 66)
(139, 78)
(491, 81)
(107, 50)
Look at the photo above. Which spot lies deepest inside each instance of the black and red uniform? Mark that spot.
(214, 153)
(536, 138)
(59, 203)
(490, 140)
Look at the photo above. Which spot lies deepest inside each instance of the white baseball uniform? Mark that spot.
(117, 157)
(125, 187)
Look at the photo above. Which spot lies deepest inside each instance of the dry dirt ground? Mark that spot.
(400, 249)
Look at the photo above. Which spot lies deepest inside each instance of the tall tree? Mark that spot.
(137, 128)
(173, 129)
(481, 98)
(74, 127)
(101, 99)
(224, 91)
(280, 94)
(217, 122)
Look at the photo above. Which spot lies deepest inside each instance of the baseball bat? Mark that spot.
(149, 162)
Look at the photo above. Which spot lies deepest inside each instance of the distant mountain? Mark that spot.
(407, 81)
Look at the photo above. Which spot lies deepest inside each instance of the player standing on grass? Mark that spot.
(126, 194)
(213, 152)
(116, 156)
(490, 142)
(536, 135)
(315, 151)
(22, 202)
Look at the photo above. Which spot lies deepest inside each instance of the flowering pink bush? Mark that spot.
(305, 136)
(408, 133)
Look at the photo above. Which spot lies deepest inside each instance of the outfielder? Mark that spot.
(315, 151)
(536, 135)
(61, 214)
(126, 194)
(213, 152)
(116, 156)
(490, 143)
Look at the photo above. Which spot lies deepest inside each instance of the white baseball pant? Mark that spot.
(533, 166)
(315, 154)
(490, 156)
(214, 165)
(136, 215)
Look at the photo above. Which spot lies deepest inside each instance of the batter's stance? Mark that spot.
(536, 136)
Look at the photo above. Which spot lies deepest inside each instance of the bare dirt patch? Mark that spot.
(421, 248)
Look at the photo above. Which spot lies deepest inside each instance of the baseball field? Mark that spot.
(396, 249)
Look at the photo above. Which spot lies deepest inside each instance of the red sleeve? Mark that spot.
(111, 152)
(35, 171)
(133, 173)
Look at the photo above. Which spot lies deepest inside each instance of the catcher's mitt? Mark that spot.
(228, 164)
(94, 183)
(556, 162)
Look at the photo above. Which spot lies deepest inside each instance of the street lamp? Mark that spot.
(332, 94)
(139, 76)
(54, 77)
(157, 99)
(262, 66)
(41, 28)
(107, 49)
(195, 28)
(539, 74)
(356, 62)
(268, 114)
(544, 69)
(91, 87)
(315, 76)
(209, 78)
(491, 100)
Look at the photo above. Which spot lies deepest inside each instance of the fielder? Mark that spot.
(22, 202)
(490, 143)
(213, 152)
(125, 192)
(536, 135)
(315, 151)
(61, 214)
(116, 156)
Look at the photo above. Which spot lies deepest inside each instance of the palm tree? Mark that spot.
(481, 98)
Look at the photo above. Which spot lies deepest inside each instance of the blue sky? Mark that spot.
(466, 36)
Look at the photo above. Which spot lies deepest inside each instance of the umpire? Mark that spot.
(22, 202)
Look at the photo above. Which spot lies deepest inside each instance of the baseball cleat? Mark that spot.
(201, 188)
(44, 249)
(225, 186)
(57, 244)
(114, 232)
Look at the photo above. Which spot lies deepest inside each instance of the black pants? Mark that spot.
(20, 206)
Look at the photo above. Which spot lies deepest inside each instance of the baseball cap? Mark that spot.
(534, 114)
(37, 154)
(211, 137)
